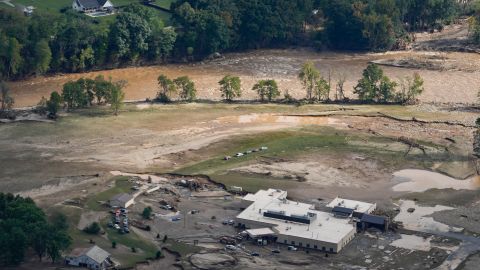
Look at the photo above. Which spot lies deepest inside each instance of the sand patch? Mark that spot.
(421, 180)
(311, 172)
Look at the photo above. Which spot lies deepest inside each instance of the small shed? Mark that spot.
(93, 258)
(122, 200)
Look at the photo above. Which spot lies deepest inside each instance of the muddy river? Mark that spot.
(441, 86)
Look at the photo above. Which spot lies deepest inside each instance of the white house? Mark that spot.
(93, 258)
(122, 200)
(90, 6)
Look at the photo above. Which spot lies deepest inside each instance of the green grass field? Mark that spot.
(55, 6)
(121, 186)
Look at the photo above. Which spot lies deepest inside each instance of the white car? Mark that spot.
(292, 248)
(167, 207)
(239, 155)
(231, 247)
(116, 227)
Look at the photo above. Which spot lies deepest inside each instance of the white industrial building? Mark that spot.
(359, 207)
(295, 223)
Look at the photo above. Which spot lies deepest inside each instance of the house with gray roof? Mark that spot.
(92, 6)
(93, 258)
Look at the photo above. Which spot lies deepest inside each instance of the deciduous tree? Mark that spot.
(186, 88)
(266, 89)
(231, 87)
(117, 96)
(166, 88)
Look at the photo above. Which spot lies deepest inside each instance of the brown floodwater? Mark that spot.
(281, 65)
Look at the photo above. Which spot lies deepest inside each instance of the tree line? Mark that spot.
(373, 87)
(24, 227)
(84, 93)
(72, 42)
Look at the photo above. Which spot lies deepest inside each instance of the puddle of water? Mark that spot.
(419, 220)
(413, 242)
(422, 180)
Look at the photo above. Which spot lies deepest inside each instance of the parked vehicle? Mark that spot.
(231, 222)
(167, 207)
(239, 155)
(231, 247)
(255, 254)
(126, 230)
(276, 251)
(292, 248)
(116, 227)
(225, 222)
(176, 218)
(228, 240)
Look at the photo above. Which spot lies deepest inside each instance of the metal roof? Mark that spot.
(92, 3)
(342, 210)
(97, 254)
(373, 219)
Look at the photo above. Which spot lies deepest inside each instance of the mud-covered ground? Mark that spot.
(455, 77)
(385, 154)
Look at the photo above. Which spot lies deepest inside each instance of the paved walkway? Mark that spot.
(7, 2)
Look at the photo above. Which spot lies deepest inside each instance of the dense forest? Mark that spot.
(24, 227)
(72, 42)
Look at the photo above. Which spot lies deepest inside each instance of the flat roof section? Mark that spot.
(254, 233)
(357, 206)
(323, 226)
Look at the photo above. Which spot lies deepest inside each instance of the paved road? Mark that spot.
(468, 246)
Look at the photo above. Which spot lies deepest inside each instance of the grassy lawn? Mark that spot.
(282, 144)
(182, 248)
(124, 255)
(45, 5)
(54, 6)
(121, 186)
